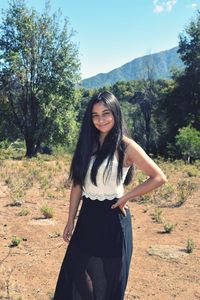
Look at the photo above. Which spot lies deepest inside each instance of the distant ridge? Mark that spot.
(161, 63)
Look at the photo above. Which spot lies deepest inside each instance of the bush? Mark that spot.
(157, 215)
(168, 227)
(4, 144)
(15, 241)
(190, 245)
(47, 211)
(23, 212)
(185, 188)
(188, 141)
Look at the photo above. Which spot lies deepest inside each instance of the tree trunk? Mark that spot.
(30, 147)
(147, 137)
(147, 121)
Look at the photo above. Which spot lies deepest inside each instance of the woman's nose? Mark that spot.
(101, 119)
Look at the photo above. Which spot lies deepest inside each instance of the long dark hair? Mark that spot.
(88, 143)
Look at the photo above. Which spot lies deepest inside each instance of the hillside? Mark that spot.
(161, 63)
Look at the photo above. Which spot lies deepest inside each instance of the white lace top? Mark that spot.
(105, 189)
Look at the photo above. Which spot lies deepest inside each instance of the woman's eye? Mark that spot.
(106, 113)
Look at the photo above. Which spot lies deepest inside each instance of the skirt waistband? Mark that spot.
(100, 203)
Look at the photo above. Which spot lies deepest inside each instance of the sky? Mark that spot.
(110, 33)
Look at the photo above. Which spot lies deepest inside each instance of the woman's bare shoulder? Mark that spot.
(133, 150)
(129, 142)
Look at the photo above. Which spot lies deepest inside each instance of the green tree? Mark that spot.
(188, 141)
(39, 69)
(183, 103)
(161, 115)
(146, 98)
(189, 50)
(140, 102)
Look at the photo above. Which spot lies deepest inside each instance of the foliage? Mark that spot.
(169, 227)
(154, 109)
(15, 241)
(4, 144)
(145, 98)
(23, 212)
(39, 69)
(40, 99)
(140, 101)
(190, 245)
(157, 217)
(47, 211)
(183, 102)
(185, 188)
(188, 141)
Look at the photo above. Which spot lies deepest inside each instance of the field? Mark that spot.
(34, 201)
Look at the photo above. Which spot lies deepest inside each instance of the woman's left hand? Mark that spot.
(121, 204)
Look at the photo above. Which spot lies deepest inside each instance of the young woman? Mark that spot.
(97, 260)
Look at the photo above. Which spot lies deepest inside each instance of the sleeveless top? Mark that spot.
(107, 186)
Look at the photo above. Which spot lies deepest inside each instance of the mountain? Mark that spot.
(161, 63)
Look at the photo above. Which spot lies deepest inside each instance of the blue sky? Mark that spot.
(110, 33)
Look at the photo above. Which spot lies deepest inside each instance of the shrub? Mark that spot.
(157, 215)
(190, 245)
(23, 212)
(168, 227)
(15, 241)
(47, 211)
(185, 189)
(188, 141)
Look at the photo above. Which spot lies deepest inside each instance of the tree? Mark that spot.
(188, 141)
(166, 128)
(189, 50)
(146, 98)
(183, 103)
(139, 101)
(39, 69)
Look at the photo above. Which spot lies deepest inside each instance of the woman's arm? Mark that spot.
(75, 197)
(137, 156)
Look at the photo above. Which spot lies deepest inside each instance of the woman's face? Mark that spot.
(102, 118)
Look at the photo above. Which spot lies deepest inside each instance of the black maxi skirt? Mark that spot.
(97, 260)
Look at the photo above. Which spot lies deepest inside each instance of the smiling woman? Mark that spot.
(97, 260)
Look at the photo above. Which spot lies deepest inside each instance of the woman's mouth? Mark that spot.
(103, 125)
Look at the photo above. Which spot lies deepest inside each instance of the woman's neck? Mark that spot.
(102, 138)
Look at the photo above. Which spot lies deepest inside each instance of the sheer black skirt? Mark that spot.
(97, 260)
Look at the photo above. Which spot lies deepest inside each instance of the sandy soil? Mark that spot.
(160, 268)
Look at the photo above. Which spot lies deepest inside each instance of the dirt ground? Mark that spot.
(161, 269)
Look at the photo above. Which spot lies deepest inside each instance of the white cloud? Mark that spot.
(170, 4)
(158, 9)
(194, 5)
(162, 5)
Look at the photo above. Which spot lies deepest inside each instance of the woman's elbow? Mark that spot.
(161, 179)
